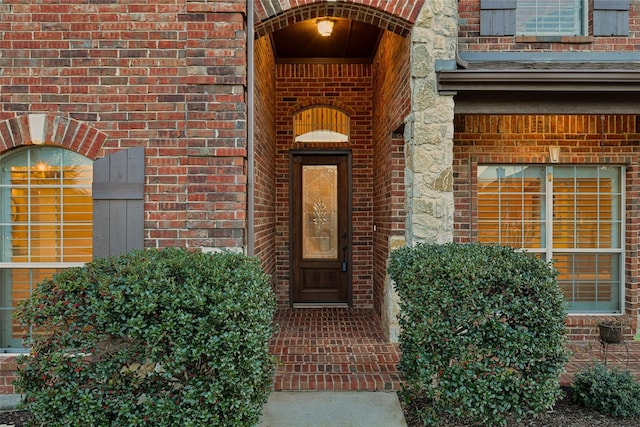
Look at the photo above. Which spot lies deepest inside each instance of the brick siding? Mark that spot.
(169, 76)
(469, 38)
(391, 105)
(265, 157)
(583, 140)
(347, 87)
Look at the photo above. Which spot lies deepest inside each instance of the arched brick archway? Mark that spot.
(397, 16)
(48, 129)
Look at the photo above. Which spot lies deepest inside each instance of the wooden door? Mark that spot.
(320, 212)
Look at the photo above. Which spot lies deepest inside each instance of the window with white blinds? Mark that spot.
(572, 215)
(551, 17)
(46, 224)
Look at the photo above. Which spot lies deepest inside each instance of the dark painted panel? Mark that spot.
(118, 193)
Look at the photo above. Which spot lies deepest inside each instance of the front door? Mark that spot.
(320, 227)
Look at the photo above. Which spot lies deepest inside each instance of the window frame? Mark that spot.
(321, 123)
(30, 267)
(582, 20)
(548, 251)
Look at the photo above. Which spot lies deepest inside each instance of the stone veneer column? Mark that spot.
(429, 130)
(429, 143)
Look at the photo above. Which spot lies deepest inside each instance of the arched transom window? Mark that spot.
(46, 224)
(321, 124)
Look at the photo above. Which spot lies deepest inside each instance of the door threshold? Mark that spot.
(320, 305)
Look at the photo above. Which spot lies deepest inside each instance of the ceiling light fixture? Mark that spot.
(325, 27)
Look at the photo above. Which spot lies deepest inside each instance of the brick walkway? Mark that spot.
(343, 349)
(333, 349)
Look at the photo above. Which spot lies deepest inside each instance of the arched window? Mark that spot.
(321, 124)
(46, 224)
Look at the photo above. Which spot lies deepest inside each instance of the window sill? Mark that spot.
(594, 314)
(554, 39)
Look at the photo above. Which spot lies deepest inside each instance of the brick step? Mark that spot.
(337, 382)
(333, 350)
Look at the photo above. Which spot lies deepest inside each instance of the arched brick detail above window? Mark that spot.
(47, 129)
(397, 16)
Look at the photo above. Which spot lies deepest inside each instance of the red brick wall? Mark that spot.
(347, 87)
(583, 139)
(391, 105)
(170, 76)
(265, 157)
(469, 38)
(8, 373)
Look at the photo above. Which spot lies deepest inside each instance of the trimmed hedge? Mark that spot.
(152, 338)
(482, 331)
(609, 391)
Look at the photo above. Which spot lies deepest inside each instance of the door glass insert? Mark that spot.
(320, 206)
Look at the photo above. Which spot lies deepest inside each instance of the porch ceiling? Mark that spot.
(350, 42)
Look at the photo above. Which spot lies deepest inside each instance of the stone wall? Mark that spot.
(429, 130)
(391, 105)
(428, 147)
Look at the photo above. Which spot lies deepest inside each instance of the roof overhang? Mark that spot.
(456, 81)
(542, 87)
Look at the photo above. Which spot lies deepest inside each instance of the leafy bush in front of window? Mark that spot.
(483, 334)
(152, 338)
(609, 391)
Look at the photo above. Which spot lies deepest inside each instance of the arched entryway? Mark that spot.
(361, 70)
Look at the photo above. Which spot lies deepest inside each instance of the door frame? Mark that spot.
(292, 232)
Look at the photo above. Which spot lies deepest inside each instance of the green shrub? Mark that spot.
(152, 338)
(482, 331)
(609, 391)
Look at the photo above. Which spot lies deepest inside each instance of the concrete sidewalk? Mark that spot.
(315, 409)
(332, 409)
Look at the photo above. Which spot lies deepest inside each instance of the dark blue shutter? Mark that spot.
(118, 205)
(611, 17)
(497, 17)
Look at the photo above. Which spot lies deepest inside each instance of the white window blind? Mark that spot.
(45, 224)
(551, 17)
(572, 215)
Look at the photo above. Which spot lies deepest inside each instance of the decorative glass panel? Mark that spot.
(320, 208)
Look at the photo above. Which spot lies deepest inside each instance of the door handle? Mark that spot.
(344, 258)
(344, 253)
